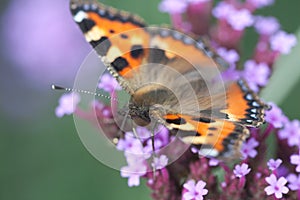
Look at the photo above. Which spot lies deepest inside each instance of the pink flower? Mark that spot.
(173, 6)
(266, 25)
(67, 104)
(248, 148)
(231, 56)
(240, 19)
(283, 42)
(294, 181)
(109, 83)
(194, 191)
(295, 160)
(274, 164)
(160, 162)
(275, 116)
(241, 170)
(260, 3)
(257, 75)
(291, 132)
(223, 10)
(276, 187)
(134, 171)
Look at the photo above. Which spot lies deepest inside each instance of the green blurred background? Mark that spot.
(42, 156)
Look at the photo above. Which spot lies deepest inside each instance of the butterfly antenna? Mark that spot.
(56, 87)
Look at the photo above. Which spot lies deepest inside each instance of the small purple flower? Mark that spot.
(133, 172)
(245, 19)
(294, 181)
(256, 74)
(194, 190)
(248, 148)
(295, 160)
(160, 162)
(213, 162)
(260, 3)
(274, 164)
(266, 25)
(67, 104)
(291, 132)
(231, 56)
(241, 170)
(108, 83)
(275, 116)
(129, 142)
(283, 42)
(173, 6)
(222, 10)
(276, 187)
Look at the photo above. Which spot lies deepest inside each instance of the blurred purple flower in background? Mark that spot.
(194, 190)
(42, 40)
(274, 164)
(67, 104)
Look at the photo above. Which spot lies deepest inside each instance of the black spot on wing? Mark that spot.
(203, 119)
(177, 121)
(86, 25)
(136, 51)
(103, 48)
(119, 63)
(157, 55)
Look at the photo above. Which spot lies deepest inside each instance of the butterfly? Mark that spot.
(173, 79)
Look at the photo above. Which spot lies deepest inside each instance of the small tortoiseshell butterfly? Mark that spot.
(172, 79)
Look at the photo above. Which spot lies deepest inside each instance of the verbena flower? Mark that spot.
(294, 181)
(248, 148)
(257, 75)
(67, 104)
(194, 191)
(276, 187)
(274, 164)
(260, 3)
(160, 162)
(244, 16)
(275, 116)
(291, 132)
(295, 160)
(108, 83)
(283, 42)
(266, 25)
(241, 170)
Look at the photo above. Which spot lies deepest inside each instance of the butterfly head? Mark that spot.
(149, 103)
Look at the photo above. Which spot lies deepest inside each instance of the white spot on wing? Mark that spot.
(208, 152)
(80, 16)
(113, 53)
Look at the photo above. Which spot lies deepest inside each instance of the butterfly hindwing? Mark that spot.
(213, 137)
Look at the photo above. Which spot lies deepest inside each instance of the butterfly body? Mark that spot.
(172, 79)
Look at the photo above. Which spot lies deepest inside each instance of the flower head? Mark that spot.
(67, 104)
(223, 10)
(133, 172)
(291, 132)
(194, 190)
(257, 75)
(283, 42)
(275, 116)
(173, 6)
(295, 160)
(248, 148)
(260, 3)
(245, 19)
(266, 25)
(109, 83)
(276, 187)
(241, 170)
(274, 164)
(294, 181)
(160, 162)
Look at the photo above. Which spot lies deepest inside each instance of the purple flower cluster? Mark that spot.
(190, 177)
